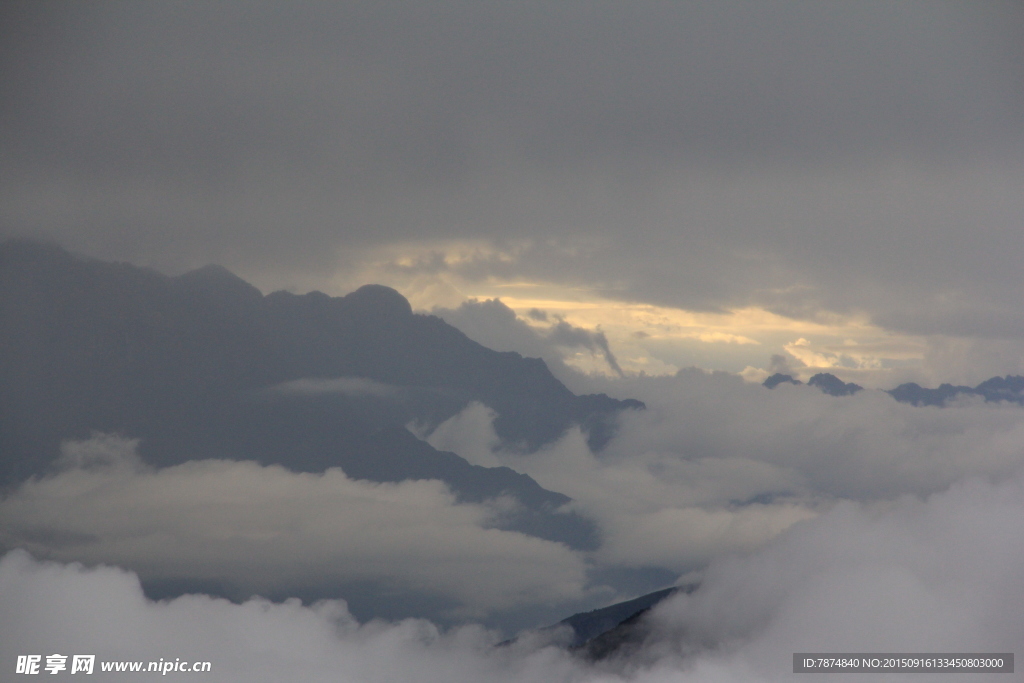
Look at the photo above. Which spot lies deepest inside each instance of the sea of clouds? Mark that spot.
(812, 523)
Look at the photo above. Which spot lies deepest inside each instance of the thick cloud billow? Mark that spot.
(716, 465)
(810, 522)
(713, 467)
(913, 574)
(935, 574)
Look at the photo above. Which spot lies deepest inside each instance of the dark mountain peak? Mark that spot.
(18, 249)
(906, 392)
(825, 381)
(587, 626)
(778, 378)
(915, 394)
(832, 385)
(218, 283)
(378, 300)
(282, 298)
(1009, 388)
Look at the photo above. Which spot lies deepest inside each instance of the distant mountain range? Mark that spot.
(1009, 388)
(827, 382)
(205, 366)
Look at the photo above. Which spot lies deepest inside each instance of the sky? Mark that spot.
(665, 201)
(706, 184)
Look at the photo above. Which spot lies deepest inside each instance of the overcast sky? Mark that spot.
(841, 184)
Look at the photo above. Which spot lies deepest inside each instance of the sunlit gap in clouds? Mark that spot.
(643, 337)
(660, 340)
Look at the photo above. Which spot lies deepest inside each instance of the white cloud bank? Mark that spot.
(266, 529)
(940, 574)
(935, 575)
(818, 523)
(715, 465)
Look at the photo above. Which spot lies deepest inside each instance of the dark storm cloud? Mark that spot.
(796, 155)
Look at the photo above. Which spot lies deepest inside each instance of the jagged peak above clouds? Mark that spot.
(1009, 388)
(995, 389)
(832, 385)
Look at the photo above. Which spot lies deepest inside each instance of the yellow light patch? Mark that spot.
(644, 337)
(633, 329)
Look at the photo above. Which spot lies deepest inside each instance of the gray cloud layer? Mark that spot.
(856, 157)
